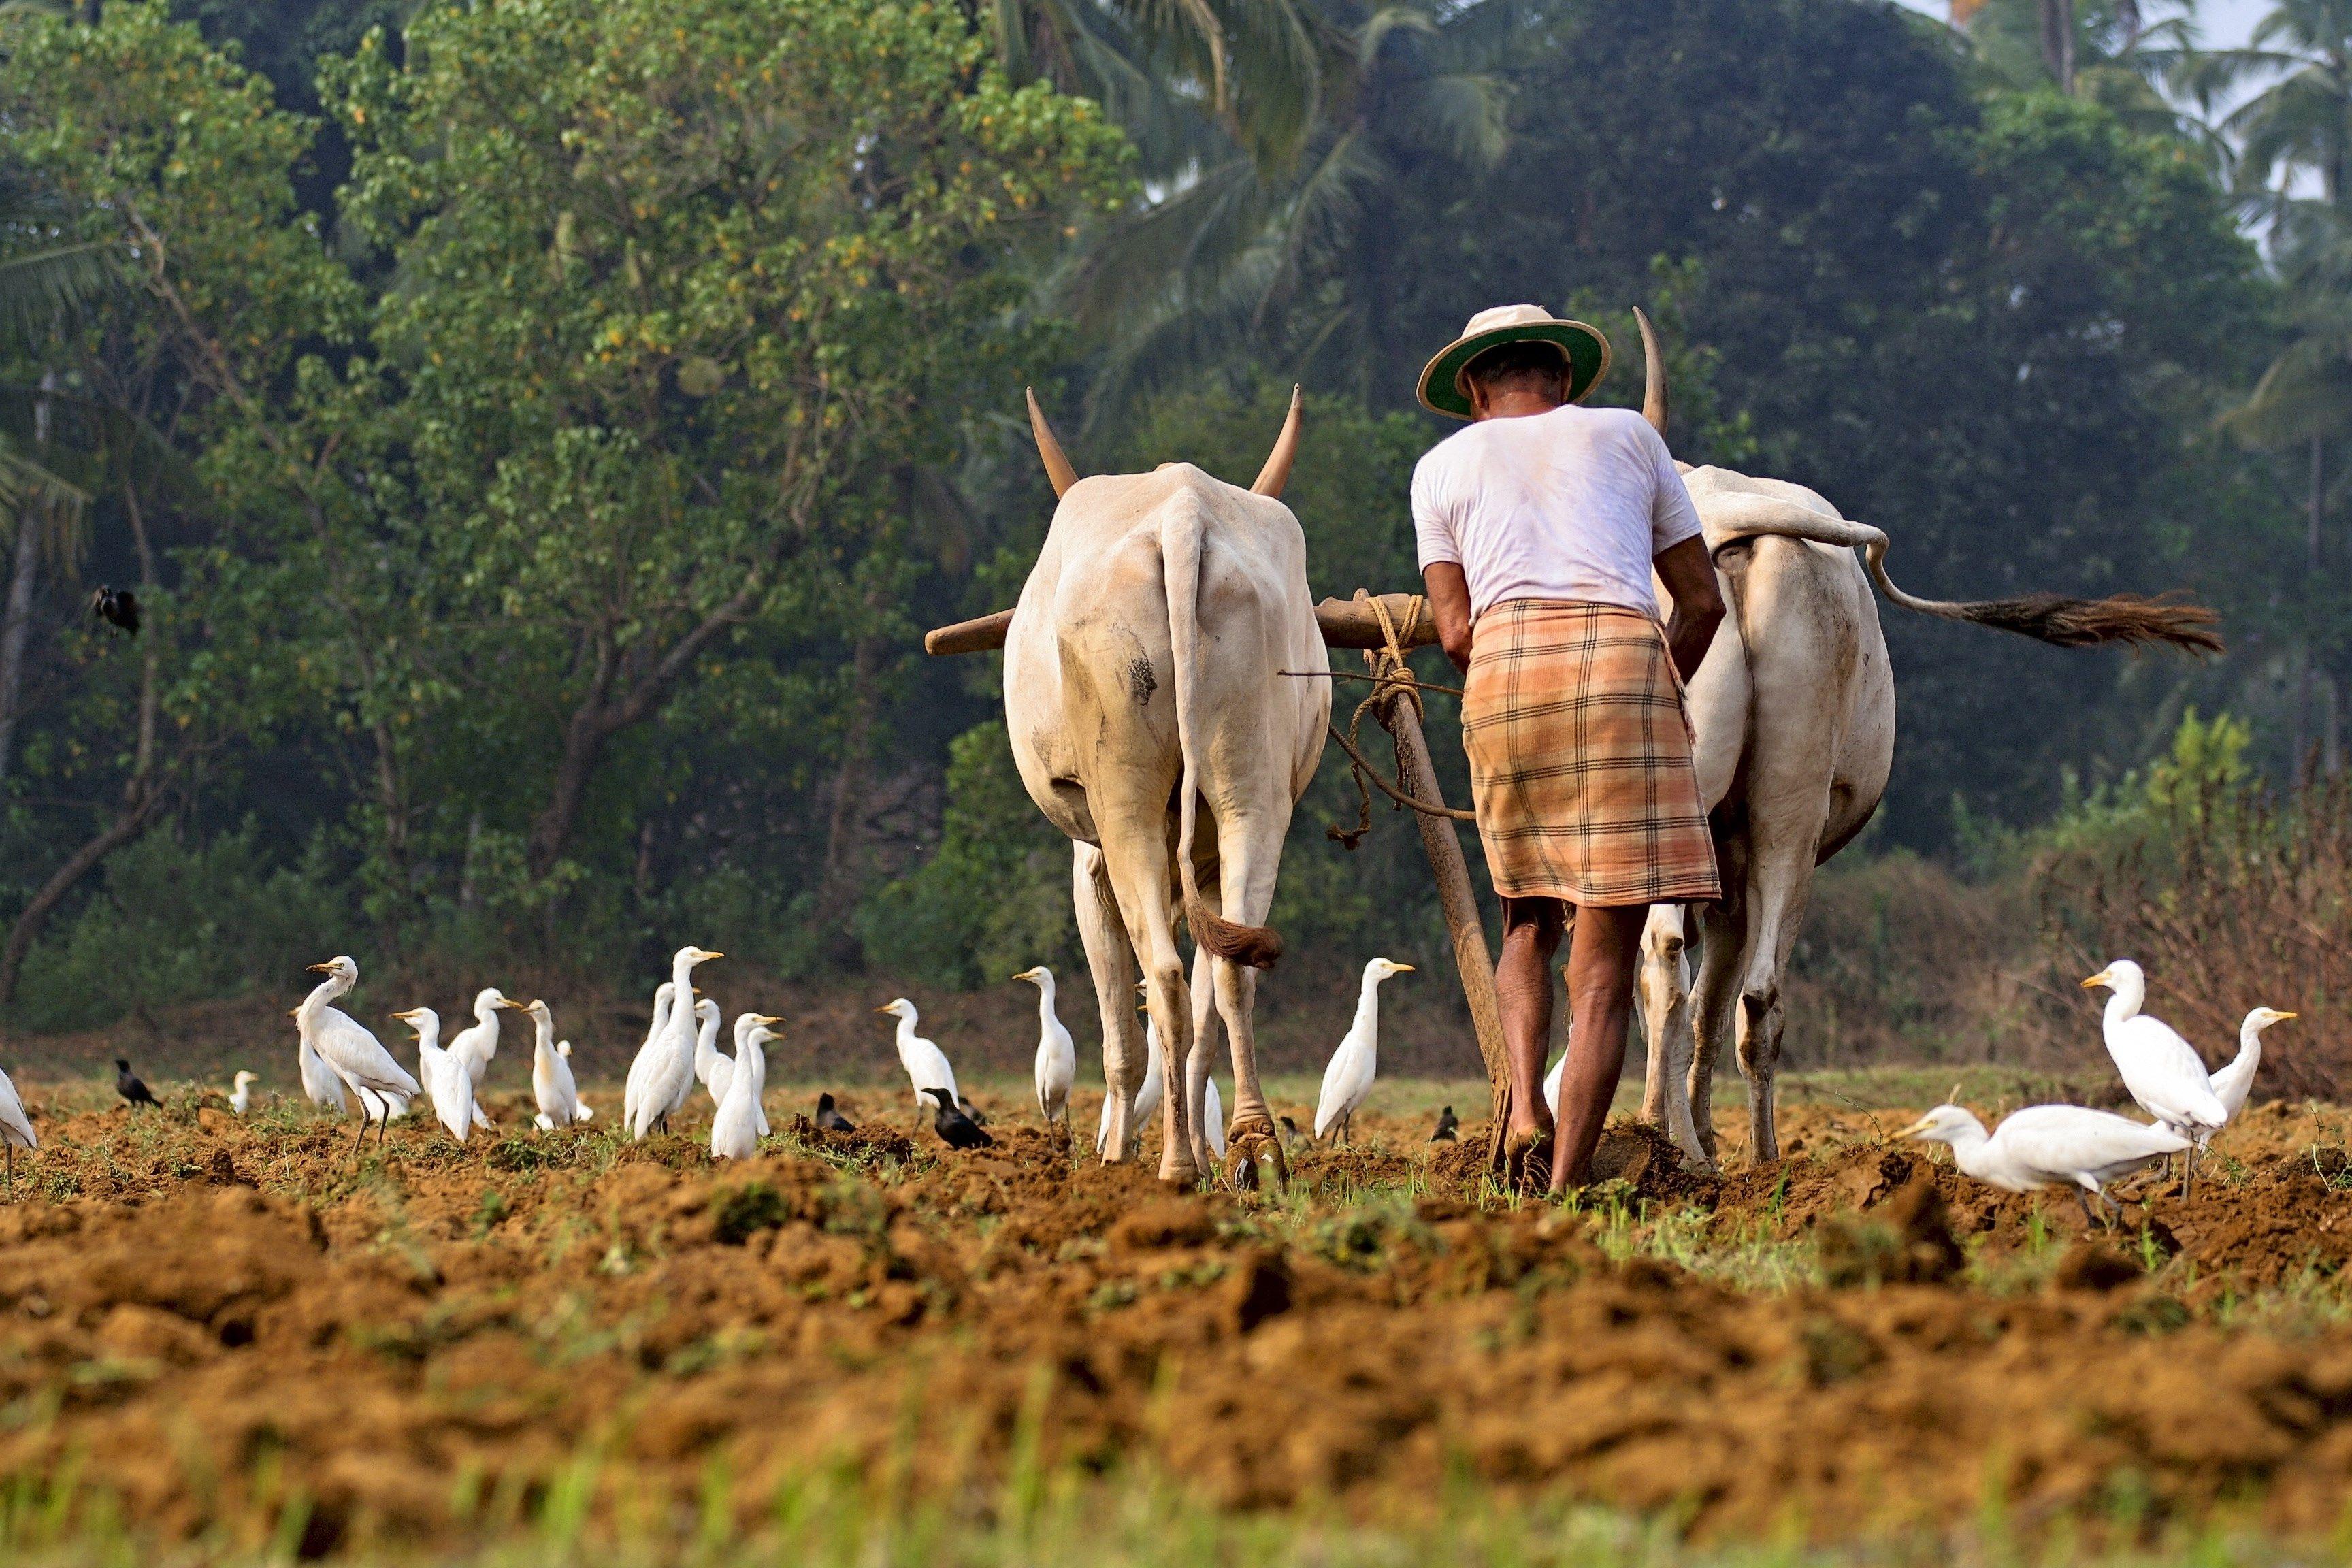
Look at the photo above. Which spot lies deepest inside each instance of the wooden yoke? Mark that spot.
(1386, 628)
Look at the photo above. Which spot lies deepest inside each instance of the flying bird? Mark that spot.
(1058, 1054)
(2165, 1074)
(1349, 1078)
(952, 1125)
(735, 1131)
(2049, 1146)
(1448, 1130)
(16, 1130)
(830, 1118)
(346, 1045)
(240, 1094)
(927, 1065)
(443, 1072)
(127, 1084)
(551, 1084)
(117, 608)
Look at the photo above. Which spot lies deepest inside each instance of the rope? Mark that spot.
(1392, 680)
(1350, 675)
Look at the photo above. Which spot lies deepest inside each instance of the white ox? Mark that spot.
(1794, 713)
(1150, 721)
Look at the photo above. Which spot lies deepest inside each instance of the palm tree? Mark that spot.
(1266, 255)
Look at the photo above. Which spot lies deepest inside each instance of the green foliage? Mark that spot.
(174, 922)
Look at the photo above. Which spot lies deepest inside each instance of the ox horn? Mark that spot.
(1049, 451)
(1277, 472)
(1653, 375)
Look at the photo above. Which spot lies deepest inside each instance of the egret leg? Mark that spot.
(11, 1149)
(364, 1127)
(2083, 1196)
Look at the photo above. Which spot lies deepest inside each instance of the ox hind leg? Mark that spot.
(1721, 929)
(1110, 959)
(1780, 879)
(1664, 993)
(1248, 854)
(1135, 846)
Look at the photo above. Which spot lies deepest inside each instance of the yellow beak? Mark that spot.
(711, 955)
(1404, 969)
(2282, 1017)
(510, 1002)
(321, 968)
(881, 1009)
(2095, 980)
(1914, 1128)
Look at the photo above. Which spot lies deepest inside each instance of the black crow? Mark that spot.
(1447, 1128)
(830, 1120)
(118, 607)
(953, 1125)
(127, 1084)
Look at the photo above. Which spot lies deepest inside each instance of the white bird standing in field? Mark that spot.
(669, 1069)
(1349, 1078)
(15, 1129)
(2049, 1146)
(721, 1075)
(443, 1072)
(1552, 1084)
(2235, 1081)
(320, 1082)
(707, 1019)
(927, 1065)
(240, 1092)
(347, 1046)
(1213, 1117)
(665, 999)
(2163, 1071)
(475, 1044)
(1058, 1054)
(1155, 1080)
(550, 1074)
(736, 1130)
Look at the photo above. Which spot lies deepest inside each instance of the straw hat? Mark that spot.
(1586, 351)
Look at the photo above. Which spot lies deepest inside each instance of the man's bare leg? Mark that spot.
(1532, 933)
(1602, 960)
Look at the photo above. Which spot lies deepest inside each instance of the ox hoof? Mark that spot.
(1254, 1161)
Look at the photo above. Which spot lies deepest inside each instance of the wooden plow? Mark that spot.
(1386, 626)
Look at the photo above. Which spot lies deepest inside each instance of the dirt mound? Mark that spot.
(388, 1337)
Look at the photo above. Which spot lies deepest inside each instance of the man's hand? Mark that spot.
(1449, 602)
(1689, 573)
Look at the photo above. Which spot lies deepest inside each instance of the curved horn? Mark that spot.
(1654, 376)
(1049, 451)
(1277, 472)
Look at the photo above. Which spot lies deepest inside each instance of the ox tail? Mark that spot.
(1181, 547)
(2053, 618)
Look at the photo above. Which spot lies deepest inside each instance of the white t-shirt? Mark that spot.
(1572, 504)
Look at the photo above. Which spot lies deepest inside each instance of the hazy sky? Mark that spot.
(2221, 24)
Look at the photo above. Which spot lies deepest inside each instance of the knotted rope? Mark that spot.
(1392, 680)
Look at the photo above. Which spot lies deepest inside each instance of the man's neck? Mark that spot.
(1515, 405)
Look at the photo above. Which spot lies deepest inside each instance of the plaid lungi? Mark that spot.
(1581, 760)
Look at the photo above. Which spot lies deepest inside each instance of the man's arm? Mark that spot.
(1449, 601)
(1689, 573)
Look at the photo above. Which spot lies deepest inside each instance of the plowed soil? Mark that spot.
(213, 1319)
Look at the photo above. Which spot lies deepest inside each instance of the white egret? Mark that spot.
(240, 1094)
(1213, 1117)
(1155, 1078)
(1552, 1084)
(15, 1129)
(707, 1019)
(926, 1065)
(658, 1031)
(669, 1069)
(320, 1081)
(552, 1082)
(2235, 1081)
(475, 1044)
(1058, 1054)
(2049, 1146)
(736, 1130)
(447, 1082)
(1349, 1078)
(347, 1046)
(720, 1075)
(2165, 1074)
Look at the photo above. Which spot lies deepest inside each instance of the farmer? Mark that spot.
(1539, 527)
